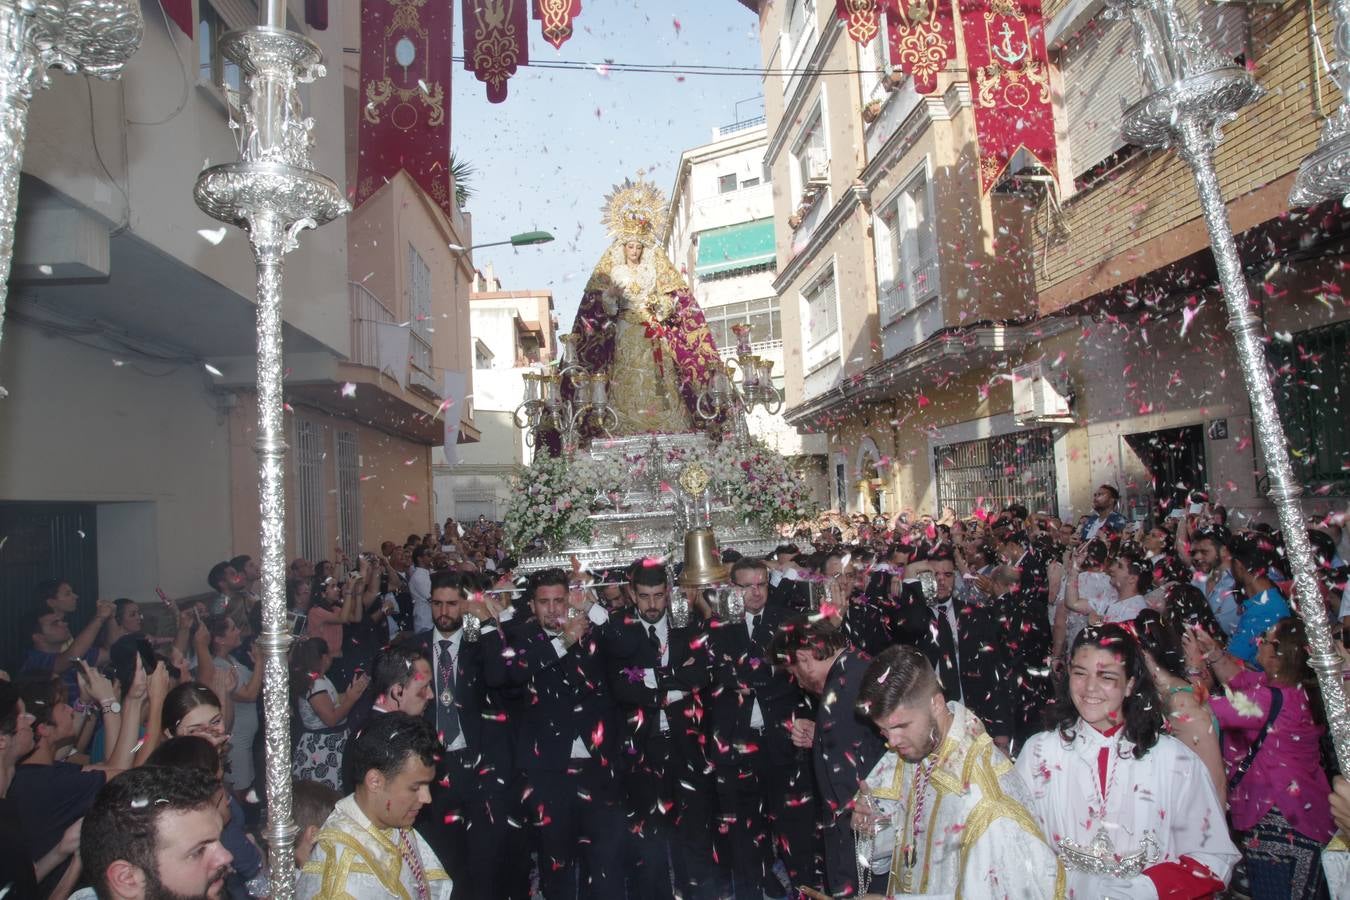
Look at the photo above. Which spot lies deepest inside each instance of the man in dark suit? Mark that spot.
(844, 745)
(964, 643)
(466, 822)
(765, 786)
(1034, 581)
(861, 621)
(658, 685)
(567, 740)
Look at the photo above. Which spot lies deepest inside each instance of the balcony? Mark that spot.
(422, 375)
(368, 315)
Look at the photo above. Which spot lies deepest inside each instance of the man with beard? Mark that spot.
(659, 686)
(368, 849)
(566, 741)
(153, 833)
(942, 811)
(466, 822)
(844, 746)
(964, 642)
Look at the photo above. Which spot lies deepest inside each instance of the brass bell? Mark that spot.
(702, 565)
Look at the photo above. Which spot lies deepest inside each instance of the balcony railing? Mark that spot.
(368, 314)
(756, 347)
(422, 374)
(742, 125)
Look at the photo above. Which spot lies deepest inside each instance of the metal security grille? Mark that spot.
(309, 456)
(992, 472)
(1313, 384)
(349, 494)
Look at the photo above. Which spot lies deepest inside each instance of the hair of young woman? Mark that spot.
(1141, 713)
(184, 699)
(306, 663)
(1160, 642)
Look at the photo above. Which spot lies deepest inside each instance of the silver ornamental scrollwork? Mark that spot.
(1193, 92)
(1325, 174)
(273, 194)
(93, 37)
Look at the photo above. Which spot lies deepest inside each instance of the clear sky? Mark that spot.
(546, 157)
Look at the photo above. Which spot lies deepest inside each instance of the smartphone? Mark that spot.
(159, 591)
(1197, 508)
(1177, 513)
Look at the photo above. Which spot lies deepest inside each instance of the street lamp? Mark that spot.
(524, 239)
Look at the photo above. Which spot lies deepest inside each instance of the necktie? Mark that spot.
(652, 638)
(412, 858)
(753, 619)
(948, 666)
(447, 717)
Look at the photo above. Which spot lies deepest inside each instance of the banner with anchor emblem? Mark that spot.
(1009, 83)
(405, 96)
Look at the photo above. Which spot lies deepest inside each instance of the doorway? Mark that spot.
(39, 541)
(1173, 461)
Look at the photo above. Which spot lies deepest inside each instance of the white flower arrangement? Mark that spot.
(554, 496)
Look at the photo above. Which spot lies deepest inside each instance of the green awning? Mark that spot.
(735, 247)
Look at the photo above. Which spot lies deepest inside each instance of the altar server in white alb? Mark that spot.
(368, 850)
(943, 813)
(1131, 811)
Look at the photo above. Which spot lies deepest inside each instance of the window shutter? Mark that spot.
(1099, 71)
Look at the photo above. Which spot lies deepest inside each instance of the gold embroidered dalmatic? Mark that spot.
(973, 837)
(354, 859)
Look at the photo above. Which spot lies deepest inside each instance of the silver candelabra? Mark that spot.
(91, 37)
(723, 396)
(1194, 93)
(273, 193)
(545, 408)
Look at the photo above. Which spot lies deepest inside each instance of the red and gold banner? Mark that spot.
(1009, 82)
(863, 17)
(555, 19)
(181, 13)
(921, 38)
(405, 99)
(496, 34)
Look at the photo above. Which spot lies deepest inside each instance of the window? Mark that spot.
(212, 67)
(349, 494)
(801, 19)
(1099, 71)
(1312, 378)
(991, 473)
(750, 182)
(907, 267)
(809, 154)
(726, 183)
(419, 293)
(762, 316)
(821, 320)
(309, 492)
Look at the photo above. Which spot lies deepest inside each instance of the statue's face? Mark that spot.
(632, 252)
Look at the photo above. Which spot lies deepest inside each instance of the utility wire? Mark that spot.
(669, 69)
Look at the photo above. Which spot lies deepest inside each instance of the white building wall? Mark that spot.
(151, 452)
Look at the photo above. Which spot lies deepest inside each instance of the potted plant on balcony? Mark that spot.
(872, 111)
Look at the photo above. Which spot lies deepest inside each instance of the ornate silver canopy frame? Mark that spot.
(91, 37)
(1325, 174)
(1194, 94)
(273, 193)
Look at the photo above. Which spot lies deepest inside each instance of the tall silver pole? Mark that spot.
(95, 37)
(273, 193)
(1195, 93)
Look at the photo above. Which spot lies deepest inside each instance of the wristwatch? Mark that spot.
(112, 706)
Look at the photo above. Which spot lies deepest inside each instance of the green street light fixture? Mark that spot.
(524, 239)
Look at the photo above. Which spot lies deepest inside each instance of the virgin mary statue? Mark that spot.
(639, 324)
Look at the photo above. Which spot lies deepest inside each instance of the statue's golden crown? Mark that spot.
(635, 211)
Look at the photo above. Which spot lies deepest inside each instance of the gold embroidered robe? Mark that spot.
(976, 838)
(354, 859)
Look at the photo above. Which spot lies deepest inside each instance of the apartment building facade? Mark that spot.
(720, 233)
(126, 441)
(967, 350)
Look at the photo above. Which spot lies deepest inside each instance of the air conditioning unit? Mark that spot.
(817, 168)
(1040, 396)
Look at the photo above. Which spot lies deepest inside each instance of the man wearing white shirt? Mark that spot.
(658, 672)
(466, 821)
(419, 583)
(765, 793)
(567, 732)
